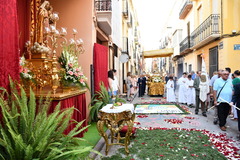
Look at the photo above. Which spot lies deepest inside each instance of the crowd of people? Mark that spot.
(132, 84)
(221, 92)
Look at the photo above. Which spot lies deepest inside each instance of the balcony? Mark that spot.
(206, 32)
(104, 15)
(185, 10)
(185, 46)
(125, 8)
(125, 45)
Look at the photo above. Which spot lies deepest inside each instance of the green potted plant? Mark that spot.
(28, 131)
(99, 100)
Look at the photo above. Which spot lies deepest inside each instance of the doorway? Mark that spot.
(180, 70)
(199, 62)
(213, 60)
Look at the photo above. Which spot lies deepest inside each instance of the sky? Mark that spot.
(152, 16)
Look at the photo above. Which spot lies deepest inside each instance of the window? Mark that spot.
(189, 68)
(200, 14)
(185, 67)
(213, 60)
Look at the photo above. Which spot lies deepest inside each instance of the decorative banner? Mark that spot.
(204, 83)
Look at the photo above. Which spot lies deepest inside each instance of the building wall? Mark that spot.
(190, 59)
(188, 19)
(230, 20)
(229, 56)
(204, 51)
(116, 22)
(79, 15)
(231, 16)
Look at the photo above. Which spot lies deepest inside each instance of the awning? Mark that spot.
(167, 52)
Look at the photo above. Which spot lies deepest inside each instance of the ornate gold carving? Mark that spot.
(155, 88)
(115, 122)
(44, 41)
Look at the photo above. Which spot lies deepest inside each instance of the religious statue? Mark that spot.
(43, 20)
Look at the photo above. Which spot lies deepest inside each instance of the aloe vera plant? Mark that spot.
(28, 131)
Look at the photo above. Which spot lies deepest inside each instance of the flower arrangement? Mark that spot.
(37, 48)
(157, 79)
(25, 73)
(71, 73)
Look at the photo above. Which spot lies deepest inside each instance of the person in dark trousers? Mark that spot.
(222, 93)
(140, 86)
(197, 90)
(144, 84)
(236, 101)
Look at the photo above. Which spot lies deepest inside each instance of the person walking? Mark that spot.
(129, 85)
(144, 83)
(116, 87)
(197, 91)
(182, 82)
(190, 92)
(170, 90)
(213, 79)
(229, 70)
(236, 101)
(222, 93)
(203, 92)
(140, 86)
(111, 92)
(193, 74)
(235, 81)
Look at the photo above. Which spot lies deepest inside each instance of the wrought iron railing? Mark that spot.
(188, 2)
(103, 5)
(209, 27)
(125, 45)
(125, 8)
(185, 44)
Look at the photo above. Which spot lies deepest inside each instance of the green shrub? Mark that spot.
(99, 100)
(28, 131)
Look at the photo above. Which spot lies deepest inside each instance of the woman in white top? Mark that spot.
(116, 87)
(111, 92)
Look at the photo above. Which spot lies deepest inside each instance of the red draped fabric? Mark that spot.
(24, 14)
(9, 51)
(80, 112)
(100, 65)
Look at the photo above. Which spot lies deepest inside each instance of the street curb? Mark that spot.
(99, 146)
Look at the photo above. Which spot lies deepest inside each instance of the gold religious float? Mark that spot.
(115, 118)
(156, 85)
(44, 70)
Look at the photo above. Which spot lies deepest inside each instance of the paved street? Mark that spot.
(199, 122)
